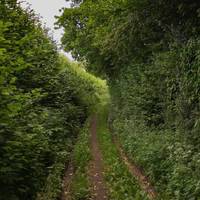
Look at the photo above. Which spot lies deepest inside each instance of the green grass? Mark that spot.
(168, 159)
(81, 158)
(53, 185)
(119, 181)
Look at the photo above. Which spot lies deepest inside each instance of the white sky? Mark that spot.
(47, 9)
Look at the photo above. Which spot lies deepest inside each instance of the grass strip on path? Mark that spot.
(80, 188)
(122, 185)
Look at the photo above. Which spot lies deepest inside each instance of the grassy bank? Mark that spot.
(81, 158)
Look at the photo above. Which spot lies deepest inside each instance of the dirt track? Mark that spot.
(98, 186)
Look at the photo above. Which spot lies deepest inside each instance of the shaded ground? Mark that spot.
(98, 186)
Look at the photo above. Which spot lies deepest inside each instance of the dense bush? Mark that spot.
(159, 122)
(44, 100)
(149, 52)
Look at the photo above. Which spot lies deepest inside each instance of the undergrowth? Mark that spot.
(170, 161)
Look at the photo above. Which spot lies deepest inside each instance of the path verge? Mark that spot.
(67, 180)
(75, 181)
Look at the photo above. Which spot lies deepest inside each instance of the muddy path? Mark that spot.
(98, 186)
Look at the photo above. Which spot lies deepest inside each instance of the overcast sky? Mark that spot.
(47, 9)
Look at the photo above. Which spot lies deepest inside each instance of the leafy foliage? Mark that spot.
(149, 52)
(44, 103)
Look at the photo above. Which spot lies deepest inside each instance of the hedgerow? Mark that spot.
(45, 100)
(149, 53)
